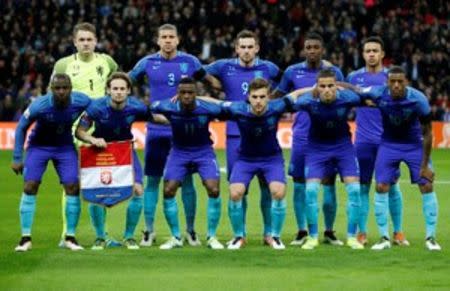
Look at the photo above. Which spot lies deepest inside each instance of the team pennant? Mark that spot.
(106, 175)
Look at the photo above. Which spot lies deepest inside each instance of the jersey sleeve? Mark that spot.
(422, 107)
(373, 92)
(285, 84)
(85, 121)
(162, 107)
(142, 111)
(138, 70)
(282, 105)
(113, 66)
(28, 117)
(275, 73)
(351, 97)
(215, 68)
(228, 110)
(302, 103)
(339, 75)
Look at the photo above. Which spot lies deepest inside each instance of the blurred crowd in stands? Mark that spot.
(34, 34)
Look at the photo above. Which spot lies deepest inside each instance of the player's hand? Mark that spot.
(427, 173)
(370, 103)
(98, 142)
(174, 99)
(17, 168)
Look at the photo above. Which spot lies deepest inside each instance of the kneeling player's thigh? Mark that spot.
(35, 164)
(137, 168)
(156, 151)
(366, 154)
(243, 172)
(176, 167)
(347, 163)
(297, 163)
(66, 165)
(273, 170)
(232, 150)
(207, 166)
(387, 164)
(414, 162)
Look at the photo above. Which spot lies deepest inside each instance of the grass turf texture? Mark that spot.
(255, 267)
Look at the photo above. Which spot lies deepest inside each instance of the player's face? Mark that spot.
(313, 50)
(61, 89)
(247, 49)
(168, 41)
(85, 42)
(327, 89)
(373, 54)
(258, 100)
(186, 94)
(397, 85)
(119, 90)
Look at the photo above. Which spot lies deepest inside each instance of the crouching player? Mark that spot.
(259, 154)
(51, 140)
(191, 151)
(113, 116)
(330, 146)
(407, 137)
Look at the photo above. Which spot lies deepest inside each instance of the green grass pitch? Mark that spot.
(255, 267)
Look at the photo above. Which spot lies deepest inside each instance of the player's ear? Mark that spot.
(257, 48)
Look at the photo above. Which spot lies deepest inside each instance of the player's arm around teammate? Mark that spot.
(50, 140)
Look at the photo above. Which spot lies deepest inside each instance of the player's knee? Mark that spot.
(383, 188)
(138, 189)
(31, 187)
(213, 192)
(169, 191)
(278, 195)
(236, 195)
(72, 189)
(426, 188)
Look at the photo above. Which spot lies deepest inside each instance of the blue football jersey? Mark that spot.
(299, 76)
(258, 133)
(235, 80)
(329, 121)
(53, 125)
(164, 75)
(368, 119)
(190, 128)
(400, 116)
(112, 124)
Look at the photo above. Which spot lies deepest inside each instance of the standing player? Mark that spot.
(112, 117)
(88, 72)
(368, 137)
(406, 137)
(191, 150)
(50, 140)
(235, 76)
(164, 70)
(330, 147)
(300, 76)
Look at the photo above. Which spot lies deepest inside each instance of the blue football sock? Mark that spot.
(396, 207)
(381, 213)
(364, 210)
(329, 206)
(171, 214)
(278, 212)
(133, 213)
(244, 212)
(430, 211)
(151, 195)
(98, 214)
(299, 205)
(189, 197)
(266, 206)
(214, 209)
(312, 207)
(27, 209)
(353, 204)
(236, 213)
(73, 210)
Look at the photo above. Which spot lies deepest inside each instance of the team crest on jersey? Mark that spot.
(100, 71)
(271, 121)
(202, 119)
(106, 176)
(184, 68)
(130, 119)
(258, 74)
